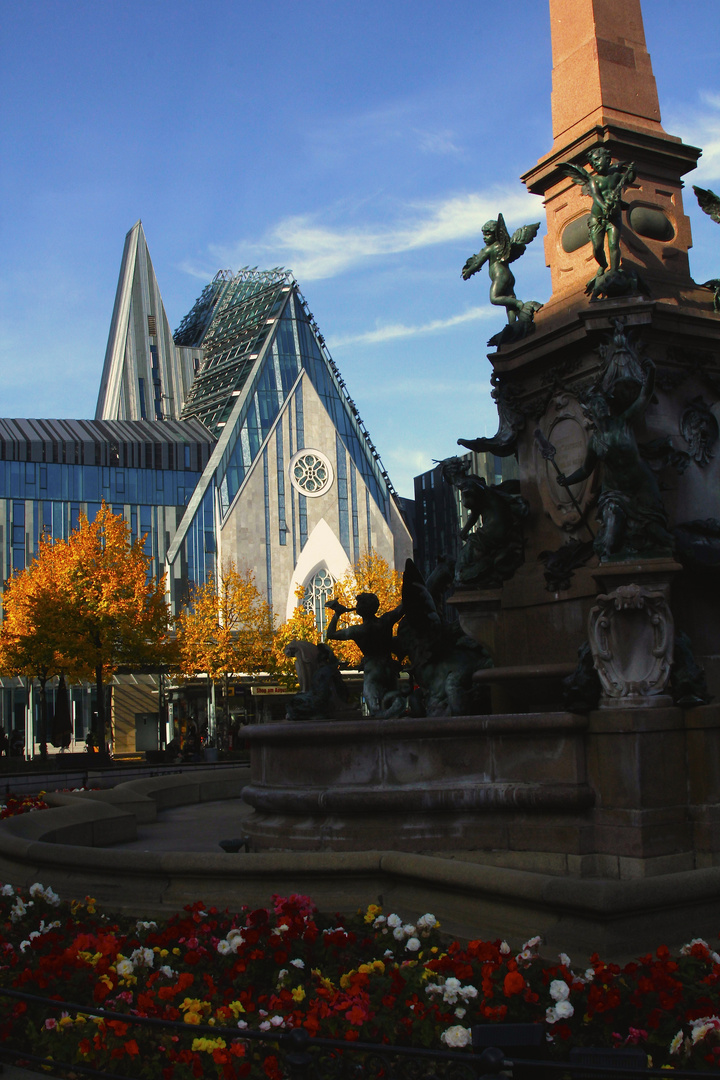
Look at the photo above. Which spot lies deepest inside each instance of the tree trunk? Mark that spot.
(43, 716)
(100, 732)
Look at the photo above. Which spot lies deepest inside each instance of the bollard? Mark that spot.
(298, 1060)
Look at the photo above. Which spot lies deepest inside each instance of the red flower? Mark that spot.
(514, 983)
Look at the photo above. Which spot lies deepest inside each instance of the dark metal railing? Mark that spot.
(305, 1057)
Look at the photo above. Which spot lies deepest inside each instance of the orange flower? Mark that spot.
(132, 1048)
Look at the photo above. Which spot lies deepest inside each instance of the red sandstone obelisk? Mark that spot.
(604, 93)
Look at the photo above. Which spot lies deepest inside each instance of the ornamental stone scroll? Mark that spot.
(631, 633)
(566, 427)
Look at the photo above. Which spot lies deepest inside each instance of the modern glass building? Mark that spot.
(235, 439)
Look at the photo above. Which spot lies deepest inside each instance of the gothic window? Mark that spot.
(317, 591)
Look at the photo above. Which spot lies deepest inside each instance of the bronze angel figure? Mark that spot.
(710, 203)
(605, 186)
(499, 251)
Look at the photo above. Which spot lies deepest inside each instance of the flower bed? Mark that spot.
(372, 977)
(21, 804)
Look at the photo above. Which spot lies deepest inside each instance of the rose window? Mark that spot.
(311, 472)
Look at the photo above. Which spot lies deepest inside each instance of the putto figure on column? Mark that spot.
(605, 186)
(501, 249)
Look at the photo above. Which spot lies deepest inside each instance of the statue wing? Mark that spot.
(521, 238)
(577, 175)
(502, 239)
(709, 202)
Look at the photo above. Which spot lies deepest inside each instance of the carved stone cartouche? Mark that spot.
(631, 634)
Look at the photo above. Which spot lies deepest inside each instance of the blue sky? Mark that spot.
(360, 145)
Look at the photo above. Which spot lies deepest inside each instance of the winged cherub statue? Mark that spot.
(710, 203)
(500, 250)
(605, 187)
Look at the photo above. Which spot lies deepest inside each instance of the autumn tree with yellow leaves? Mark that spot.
(301, 626)
(83, 607)
(121, 614)
(371, 573)
(226, 629)
(37, 633)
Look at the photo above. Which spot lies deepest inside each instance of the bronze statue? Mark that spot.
(709, 202)
(501, 249)
(631, 513)
(605, 187)
(374, 637)
(443, 659)
(492, 553)
(323, 694)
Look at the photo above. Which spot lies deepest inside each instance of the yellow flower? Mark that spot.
(164, 953)
(64, 1021)
(379, 966)
(236, 1007)
(192, 1018)
(298, 994)
(208, 1045)
(365, 969)
(176, 951)
(372, 913)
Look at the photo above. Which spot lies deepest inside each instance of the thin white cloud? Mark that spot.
(702, 128)
(438, 142)
(316, 250)
(392, 331)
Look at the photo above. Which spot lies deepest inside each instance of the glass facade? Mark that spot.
(294, 348)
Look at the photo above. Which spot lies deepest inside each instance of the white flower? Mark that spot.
(550, 1016)
(398, 933)
(24, 945)
(460, 1012)
(564, 1010)
(427, 921)
(36, 889)
(298, 963)
(281, 974)
(144, 925)
(504, 948)
(277, 1021)
(526, 954)
(393, 921)
(124, 968)
(450, 990)
(565, 960)
(532, 942)
(18, 909)
(224, 947)
(167, 971)
(283, 927)
(468, 992)
(457, 1036)
(408, 929)
(412, 944)
(235, 939)
(265, 1026)
(7, 890)
(676, 1044)
(702, 1026)
(388, 954)
(380, 921)
(51, 897)
(559, 990)
(589, 974)
(143, 957)
(242, 1023)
